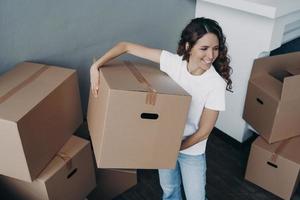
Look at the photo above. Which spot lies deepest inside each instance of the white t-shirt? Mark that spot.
(207, 91)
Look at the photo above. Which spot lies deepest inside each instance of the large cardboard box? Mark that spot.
(273, 96)
(69, 176)
(113, 182)
(138, 119)
(275, 167)
(40, 109)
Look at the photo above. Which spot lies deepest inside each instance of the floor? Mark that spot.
(226, 163)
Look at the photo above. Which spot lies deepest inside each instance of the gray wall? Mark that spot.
(70, 33)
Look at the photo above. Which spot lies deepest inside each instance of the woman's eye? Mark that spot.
(203, 49)
(216, 48)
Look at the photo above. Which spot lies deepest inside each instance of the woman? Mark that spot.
(201, 67)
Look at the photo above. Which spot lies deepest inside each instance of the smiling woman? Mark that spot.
(203, 54)
(202, 37)
(201, 67)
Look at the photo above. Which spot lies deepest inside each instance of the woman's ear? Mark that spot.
(187, 46)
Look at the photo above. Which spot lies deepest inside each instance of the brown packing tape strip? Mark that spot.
(152, 93)
(21, 85)
(278, 150)
(66, 158)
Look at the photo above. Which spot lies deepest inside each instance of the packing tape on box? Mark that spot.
(280, 147)
(67, 159)
(21, 85)
(152, 93)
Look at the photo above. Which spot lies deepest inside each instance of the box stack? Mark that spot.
(138, 119)
(40, 109)
(272, 108)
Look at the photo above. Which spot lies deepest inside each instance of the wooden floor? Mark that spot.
(226, 163)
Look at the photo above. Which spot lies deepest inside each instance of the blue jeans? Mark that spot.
(191, 172)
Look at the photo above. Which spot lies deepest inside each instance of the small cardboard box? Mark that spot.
(40, 109)
(113, 182)
(69, 176)
(273, 96)
(138, 119)
(275, 167)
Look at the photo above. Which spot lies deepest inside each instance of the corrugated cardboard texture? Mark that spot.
(119, 77)
(280, 176)
(112, 182)
(37, 118)
(273, 96)
(69, 179)
(121, 137)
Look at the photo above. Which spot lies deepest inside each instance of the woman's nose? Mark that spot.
(210, 54)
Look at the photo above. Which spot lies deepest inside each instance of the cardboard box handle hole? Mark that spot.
(272, 164)
(152, 116)
(259, 101)
(72, 173)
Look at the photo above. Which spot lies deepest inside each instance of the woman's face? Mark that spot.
(204, 52)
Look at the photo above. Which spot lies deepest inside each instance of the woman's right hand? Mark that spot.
(119, 49)
(94, 78)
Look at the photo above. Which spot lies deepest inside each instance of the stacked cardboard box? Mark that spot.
(40, 109)
(136, 122)
(275, 167)
(138, 119)
(69, 176)
(272, 109)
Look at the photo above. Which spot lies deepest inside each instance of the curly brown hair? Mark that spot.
(194, 31)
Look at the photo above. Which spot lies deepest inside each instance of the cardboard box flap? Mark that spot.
(36, 82)
(280, 74)
(294, 71)
(269, 85)
(268, 64)
(290, 150)
(291, 85)
(63, 157)
(284, 68)
(119, 77)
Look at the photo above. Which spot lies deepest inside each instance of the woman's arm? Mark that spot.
(206, 124)
(119, 49)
